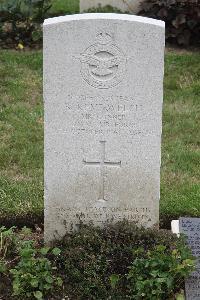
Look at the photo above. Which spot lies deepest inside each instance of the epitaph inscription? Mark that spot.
(100, 215)
(191, 228)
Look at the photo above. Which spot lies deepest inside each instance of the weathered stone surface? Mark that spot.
(191, 228)
(123, 5)
(103, 90)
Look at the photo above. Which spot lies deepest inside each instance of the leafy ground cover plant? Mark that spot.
(7, 241)
(34, 276)
(119, 262)
(8, 245)
(20, 22)
(155, 273)
(182, 19)
(124, 262)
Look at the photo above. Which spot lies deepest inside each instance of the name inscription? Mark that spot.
(108, 115)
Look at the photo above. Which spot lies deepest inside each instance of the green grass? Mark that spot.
(180, 177)
(21, 134)
(65, 7)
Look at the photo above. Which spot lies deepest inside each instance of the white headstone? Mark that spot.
(132, 6)
(103, 91)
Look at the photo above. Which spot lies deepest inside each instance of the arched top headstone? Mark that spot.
(103, 90)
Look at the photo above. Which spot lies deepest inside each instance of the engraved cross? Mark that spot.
(102, 163)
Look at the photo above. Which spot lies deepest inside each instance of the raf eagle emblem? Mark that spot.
(103, 64)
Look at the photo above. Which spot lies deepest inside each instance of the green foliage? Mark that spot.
(22, 10)
(114, 279)
(8, 249)
(182, 18)
(25, 231)
(8, 243)
(3, 267)
(154, 274)
(20, 21)
(33, 276)
(118, 262)
(100, 264)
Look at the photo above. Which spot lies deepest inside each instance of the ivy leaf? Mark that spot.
(36, 35)
(114, 278)
(59, 281)
(44, 250)
(38, 295)
(180, 297)
(47, 286)
(49, 279)
(34, 282)
(16, 288)
(56, 251)
(160, 248)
